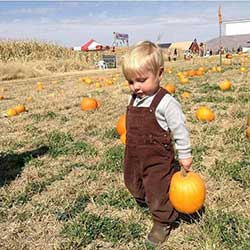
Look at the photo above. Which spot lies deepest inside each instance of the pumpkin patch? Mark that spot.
(64, 158)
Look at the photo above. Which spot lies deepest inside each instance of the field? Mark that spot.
(61, 181)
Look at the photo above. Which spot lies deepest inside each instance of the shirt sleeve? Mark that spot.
(176, 123)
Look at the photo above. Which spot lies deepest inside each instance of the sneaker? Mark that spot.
(158, 234)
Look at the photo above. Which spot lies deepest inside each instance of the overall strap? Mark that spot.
(133, 96)
(158, 98)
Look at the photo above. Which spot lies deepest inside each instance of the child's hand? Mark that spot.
(186, 163)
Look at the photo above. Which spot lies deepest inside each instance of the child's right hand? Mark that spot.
(186, 163)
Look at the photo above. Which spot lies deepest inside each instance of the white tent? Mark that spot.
(93, 45)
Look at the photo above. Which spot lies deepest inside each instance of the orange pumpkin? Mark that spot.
(185, 95)
(29, 99)
(88, 104)
(187, 192)
(20, 108)
(218, 69)
(199, 72)
(39, 86)
(229, 56)
(248, 120)
(225, 85)
(121, 125)
(248, 133)
(205, 114)
(1, 97)
(11, 112)
(184, 80)
(169, 87)
(242, 69)
(123, 138)
(191, 72)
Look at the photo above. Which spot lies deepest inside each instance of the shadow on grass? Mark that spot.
(192, 218)
(12, 164)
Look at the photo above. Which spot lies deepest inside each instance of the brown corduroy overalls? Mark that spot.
(149, 160)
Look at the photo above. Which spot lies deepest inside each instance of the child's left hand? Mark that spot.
(186, 163)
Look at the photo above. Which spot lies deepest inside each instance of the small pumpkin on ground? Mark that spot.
(184, 80)
(242, 69)
(169, 87)
(248, 133)
(11, 112)
(205, 114)
(20, 108)
(39, 86)
(225, 85)
(248, 127)
(89, 103)
(185, 95)
(187, 192)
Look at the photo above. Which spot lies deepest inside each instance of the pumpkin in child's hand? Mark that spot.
(187, 192)
(121, 125)
(88, 103)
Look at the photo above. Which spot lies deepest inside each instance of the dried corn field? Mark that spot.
(61, 181)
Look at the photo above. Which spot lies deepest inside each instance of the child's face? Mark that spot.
(146, 84)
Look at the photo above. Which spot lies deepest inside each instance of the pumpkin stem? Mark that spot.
(183, 172)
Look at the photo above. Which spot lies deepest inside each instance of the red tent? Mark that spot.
(93, 45)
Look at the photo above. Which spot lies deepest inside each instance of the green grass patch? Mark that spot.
(120, 199)
(113, 159)
(244, 89)
(90, 227)
(91, 130)
(214, 99)
(31, 189)
(50, 115)
(111, 134)
(63, 144)
(243, 99)
(198, 152)
(73, 209)
(36, 187)
(207, 88)
(224, 231)
(235, 136)
(238, 171)
(33, 130)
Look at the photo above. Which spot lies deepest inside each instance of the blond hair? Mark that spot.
(145, 56)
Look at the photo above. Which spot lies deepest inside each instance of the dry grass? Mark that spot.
(61, 168)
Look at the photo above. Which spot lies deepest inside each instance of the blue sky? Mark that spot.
(73, 23)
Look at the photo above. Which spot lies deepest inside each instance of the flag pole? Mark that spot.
(220, 22)
(220, 47)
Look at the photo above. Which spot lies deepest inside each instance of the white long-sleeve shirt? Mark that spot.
(170, 117)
